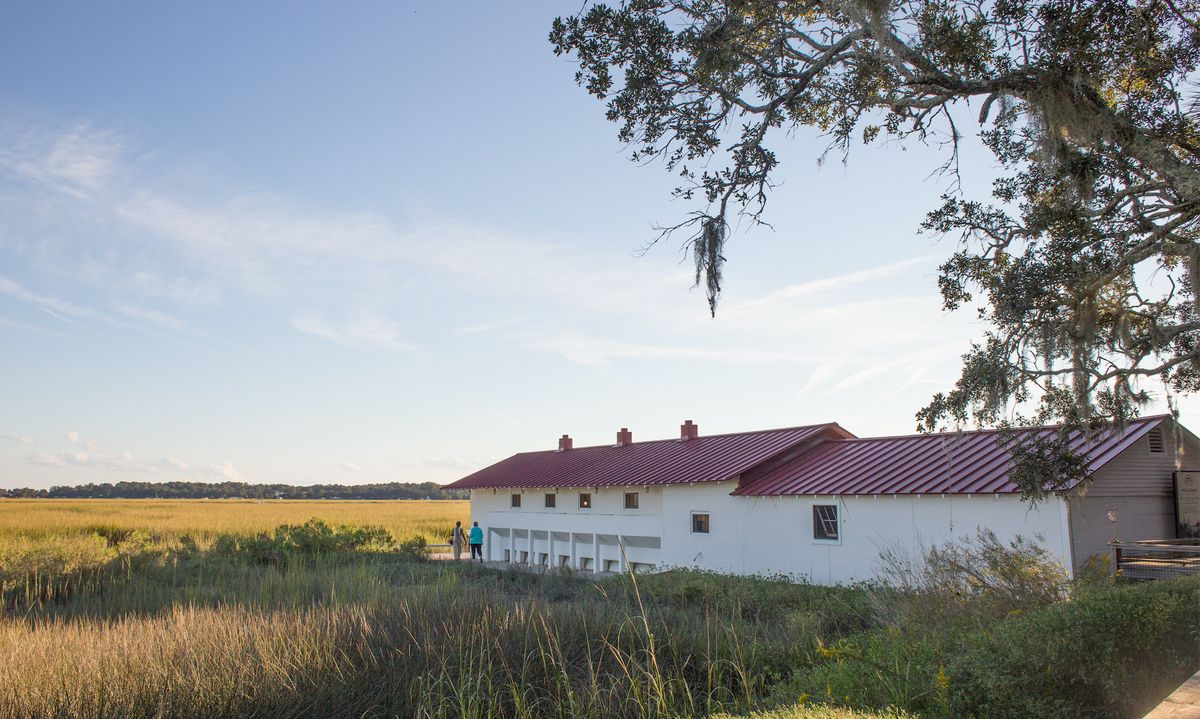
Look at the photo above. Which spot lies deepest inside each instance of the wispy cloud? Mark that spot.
(600, 352)
(156, 318)
(362, 331)
(119, 462)
(350, 467)
(78, 161)
(829, 284)
(56, 307)
(18, 438)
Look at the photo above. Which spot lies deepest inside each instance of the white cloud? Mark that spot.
(72, 437)
(123, 461)
(154, 317)
(599, 352)
(829, 284)
(172, 463)
(362, 331)
(76, 162)
(56, 307)
(224, 470)
(45, 458)
(350, 467)
(18, 438)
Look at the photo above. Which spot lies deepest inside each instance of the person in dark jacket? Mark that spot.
(476, 542)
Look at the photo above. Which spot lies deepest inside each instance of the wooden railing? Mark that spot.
(1156, 559)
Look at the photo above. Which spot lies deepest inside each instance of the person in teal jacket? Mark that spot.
(476, 538)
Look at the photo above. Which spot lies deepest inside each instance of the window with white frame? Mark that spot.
(585, 500)
(631, 500)
(699, 522)
(516, 501)
(551, 500)
(825, 521)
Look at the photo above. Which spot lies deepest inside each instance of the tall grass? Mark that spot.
(376, 638)
(313, 621)
(204, 520)
(319, 621)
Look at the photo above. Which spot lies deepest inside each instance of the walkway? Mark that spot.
(1184, 703)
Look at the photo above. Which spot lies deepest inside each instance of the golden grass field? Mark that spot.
(203, 519)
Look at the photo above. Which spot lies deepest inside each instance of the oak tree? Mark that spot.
(1084, 263)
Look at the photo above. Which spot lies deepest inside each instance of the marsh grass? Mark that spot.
(203, 520)
(317, 621)
(313, 620)
(371, 637)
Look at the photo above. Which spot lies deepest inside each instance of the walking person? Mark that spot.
(456, 540)
(476, 542)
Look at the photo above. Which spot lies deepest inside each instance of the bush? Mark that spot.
(414, 549)
(314, 537)
(1108, 653)
(974, 579)
(824, 612)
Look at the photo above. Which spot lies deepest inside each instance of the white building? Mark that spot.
(813, 502)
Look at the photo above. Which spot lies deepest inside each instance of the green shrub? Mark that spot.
(972, 579)
(1108, 653)
(414, 549)
(824, 612)
(875, 670)
(290, 541)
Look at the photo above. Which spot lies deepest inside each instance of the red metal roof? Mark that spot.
(943, 463)
(670, 461)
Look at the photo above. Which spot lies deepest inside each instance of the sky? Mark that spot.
(379, 241)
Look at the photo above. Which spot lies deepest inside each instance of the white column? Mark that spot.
(529, 554)
(595, 551)
(621, 561)
(512, 545)
(574, 539)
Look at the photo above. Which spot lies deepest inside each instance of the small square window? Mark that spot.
(699, 523)
(631, 500)
(551, 500)
(516, 500)
(585, 500)
(825, 521)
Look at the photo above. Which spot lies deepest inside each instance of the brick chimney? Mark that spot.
(565, 442)
(624, 437)
(688, 431)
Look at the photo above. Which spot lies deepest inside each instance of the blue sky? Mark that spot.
(370, 242)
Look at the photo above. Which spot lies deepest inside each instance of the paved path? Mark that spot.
(1184, 703)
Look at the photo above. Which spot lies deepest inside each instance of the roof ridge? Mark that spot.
(676, 439)
(959, 432)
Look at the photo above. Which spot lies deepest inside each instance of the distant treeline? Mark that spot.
(239, 490)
